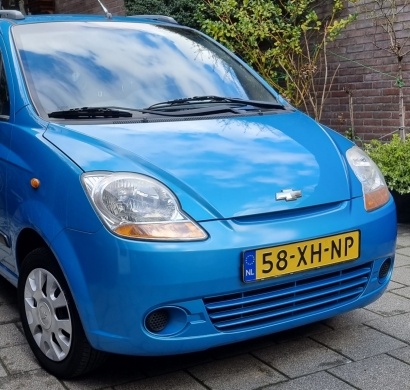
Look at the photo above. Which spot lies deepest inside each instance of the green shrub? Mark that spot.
(393, 159)
(183, 11)
(284, 41)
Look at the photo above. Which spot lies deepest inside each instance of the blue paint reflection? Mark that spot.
(126, 65)
(237, 165)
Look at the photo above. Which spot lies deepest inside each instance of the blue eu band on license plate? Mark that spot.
(286, 259)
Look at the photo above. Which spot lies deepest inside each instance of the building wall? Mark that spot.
(369, 74)
(115, 7)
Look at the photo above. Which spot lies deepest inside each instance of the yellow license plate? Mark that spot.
(286, 259)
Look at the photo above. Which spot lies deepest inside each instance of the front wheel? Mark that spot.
(50, 319)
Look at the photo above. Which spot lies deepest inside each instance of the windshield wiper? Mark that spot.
(193, 106)
(176, 103)
(90, 112)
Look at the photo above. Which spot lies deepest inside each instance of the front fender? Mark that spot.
(58, 202)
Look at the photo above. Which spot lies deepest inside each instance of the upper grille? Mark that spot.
(288, 301)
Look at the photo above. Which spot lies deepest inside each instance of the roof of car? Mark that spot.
(16, 17)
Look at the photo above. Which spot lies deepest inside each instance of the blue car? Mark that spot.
(158, 197)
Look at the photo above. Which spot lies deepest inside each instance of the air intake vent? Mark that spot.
(157, 320)
(385, 268)
(287, 301)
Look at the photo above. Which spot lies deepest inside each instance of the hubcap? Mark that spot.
(48, 315)
(45, 315)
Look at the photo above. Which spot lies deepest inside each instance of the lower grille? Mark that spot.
(288, 301)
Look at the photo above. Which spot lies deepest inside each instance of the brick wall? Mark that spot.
(370, 75)
(115, 7)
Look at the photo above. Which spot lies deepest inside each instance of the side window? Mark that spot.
(4, 93)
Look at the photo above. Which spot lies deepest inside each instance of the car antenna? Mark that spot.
(107, 14)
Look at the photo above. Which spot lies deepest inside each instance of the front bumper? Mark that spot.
(124, 289)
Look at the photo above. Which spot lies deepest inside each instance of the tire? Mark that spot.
(50, 319)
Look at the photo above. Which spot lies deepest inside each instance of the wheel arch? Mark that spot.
(27, 241)
(72, 354)
(66, 257)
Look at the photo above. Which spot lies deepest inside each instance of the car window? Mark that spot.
(4, 93)
(131, 65)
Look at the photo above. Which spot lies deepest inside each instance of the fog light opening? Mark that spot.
(385, 268)
(157, 320)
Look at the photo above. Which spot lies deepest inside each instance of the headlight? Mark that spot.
(375, 191)
(139, 207)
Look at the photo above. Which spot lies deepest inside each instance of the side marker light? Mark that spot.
(35, 183)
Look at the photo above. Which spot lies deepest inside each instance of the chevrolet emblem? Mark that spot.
(288, 195)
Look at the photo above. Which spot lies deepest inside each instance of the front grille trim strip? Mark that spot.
(287, 301)
(286, 291)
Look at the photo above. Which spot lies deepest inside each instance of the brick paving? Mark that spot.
(367, 348)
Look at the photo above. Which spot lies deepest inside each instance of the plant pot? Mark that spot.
(402, 206)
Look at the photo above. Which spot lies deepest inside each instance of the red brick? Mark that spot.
(370, 74)
(391, 91)
(390, 122)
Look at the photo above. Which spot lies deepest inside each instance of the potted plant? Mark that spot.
(393, 159)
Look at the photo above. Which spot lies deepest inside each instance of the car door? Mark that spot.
(7, 264)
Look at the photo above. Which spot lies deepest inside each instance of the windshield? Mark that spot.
(133, 65)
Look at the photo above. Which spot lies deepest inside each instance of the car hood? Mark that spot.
(218, 168)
